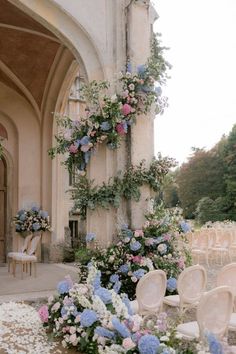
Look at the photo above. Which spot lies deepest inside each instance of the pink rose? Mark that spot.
(120, 129)
(138, 233)
(128, 343)
(126, 109)
(43, 313)
(137, 259)
(167, 237)
(73, 149)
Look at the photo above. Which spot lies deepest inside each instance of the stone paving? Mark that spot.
(31, 288)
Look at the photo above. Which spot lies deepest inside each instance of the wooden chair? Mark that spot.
(191, 285)
(27, 259)
(22, 250)
(213, 315)
(150, 293)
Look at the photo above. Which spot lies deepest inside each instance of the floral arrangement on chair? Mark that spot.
(31, 220)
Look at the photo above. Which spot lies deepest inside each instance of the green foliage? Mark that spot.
(201, 176)
(83, 255)
(1, 147)
(127, 185)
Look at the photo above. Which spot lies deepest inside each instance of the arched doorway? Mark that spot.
(3, 204)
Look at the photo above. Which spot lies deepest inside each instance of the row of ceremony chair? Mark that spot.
(213, 244)
(214, 308)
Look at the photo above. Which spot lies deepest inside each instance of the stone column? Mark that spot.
(142, 133)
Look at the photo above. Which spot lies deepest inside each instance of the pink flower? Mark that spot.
(43, 313)
(137, 259)
(167, 237)
(138, 233)
(120, 129)
(149, 242)
(181, 263)
(73, 149)
(128, 343)
(126, 109)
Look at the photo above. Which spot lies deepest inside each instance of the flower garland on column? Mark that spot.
(108, 117)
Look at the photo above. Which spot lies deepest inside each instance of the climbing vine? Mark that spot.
(127, 185)
(1, 147)
(108, 117)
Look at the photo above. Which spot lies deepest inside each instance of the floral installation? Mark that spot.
(31, 220)
(156, 246)
(108, 117)
(127, 185)
(95, 320)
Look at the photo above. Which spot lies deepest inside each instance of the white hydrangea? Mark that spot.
(119, 306)
(99, 306)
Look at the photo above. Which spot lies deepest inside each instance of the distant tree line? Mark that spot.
(205, 186)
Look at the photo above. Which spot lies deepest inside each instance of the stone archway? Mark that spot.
(3, 208)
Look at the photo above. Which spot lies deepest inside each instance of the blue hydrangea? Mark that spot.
(124, 268)
(185, 227)
(129, 68)
(148, 344)
(97, 280)
(103, 332)
(63, 287)
(85, 140)
(114, 278)
(36, 226)
(90, 237)
(104, 295)
(18, 227)
(141, 69)
(158, 90)
(171, 284)
(128, 233)
(88, 317)
(81, 167)
(215, 346)
(63, 311)
(139, 273)
(87, 156)
(120, 328)
(126, 301)
(22, 217)
(105, 126)
(43, 214)
(35, 209)
(117, 286)
(22, 211)
(159, 239)
(135, 246)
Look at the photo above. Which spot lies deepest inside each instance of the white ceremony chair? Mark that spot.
(22, 250)
(222, 244)
(27, 259)
(213, 315)
(227, 276)
(200, 247)
(150, 292)
(191, 285)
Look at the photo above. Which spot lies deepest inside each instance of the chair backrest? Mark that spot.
(214, 311)
(191, 284)
(26, 243)
(150, 291)
(227, 276)
(34, 245)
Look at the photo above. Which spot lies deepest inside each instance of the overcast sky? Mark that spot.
(201, 35)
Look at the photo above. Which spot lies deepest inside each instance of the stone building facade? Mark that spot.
(47, 47)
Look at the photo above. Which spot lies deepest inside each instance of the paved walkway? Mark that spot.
(31, 288)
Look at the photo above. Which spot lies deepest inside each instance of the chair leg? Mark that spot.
(30, 268)
(14, 268)
(22, 269)
(35, 270)
(8, 264)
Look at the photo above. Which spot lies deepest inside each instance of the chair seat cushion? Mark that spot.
(25, 258)
(232, 322)
(189, 329)
(134, 306)
(172, 300)
(13, 254)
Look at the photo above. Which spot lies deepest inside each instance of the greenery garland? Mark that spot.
(108, 117)
(127, 185)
